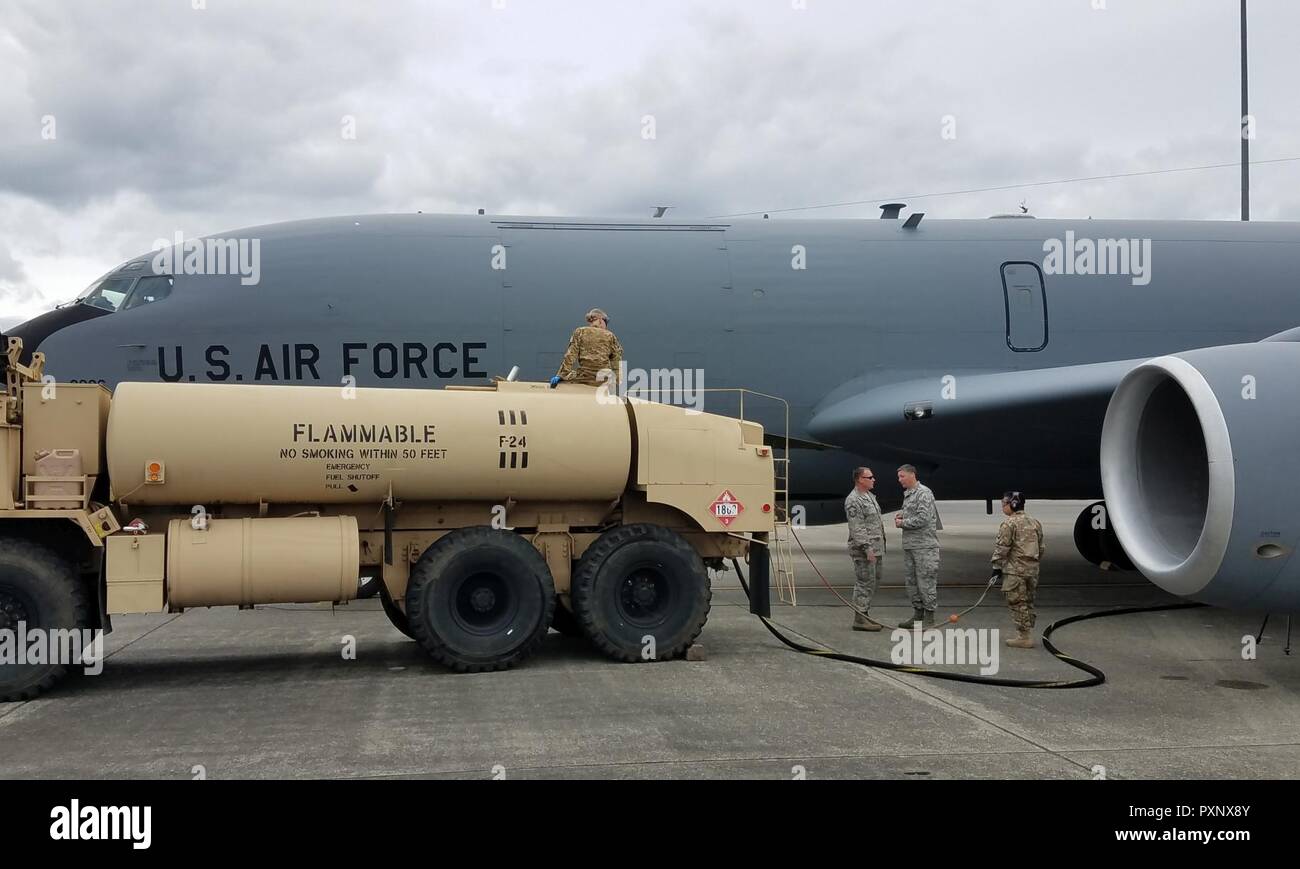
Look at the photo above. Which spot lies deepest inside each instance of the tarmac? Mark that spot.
(268, 693)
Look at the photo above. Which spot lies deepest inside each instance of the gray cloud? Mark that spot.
(183, 103)
(10, 268)
(13, 286)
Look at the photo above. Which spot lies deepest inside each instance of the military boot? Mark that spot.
(928, 620)
(862, 623)
(918, 615)
(1022, 640)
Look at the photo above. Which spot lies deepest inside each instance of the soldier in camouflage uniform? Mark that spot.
(866, 545)
(1015, 558)
(592, 349)
(919, 520)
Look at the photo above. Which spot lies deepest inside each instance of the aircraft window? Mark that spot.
(107, 294)
(154, 288)
(1026, 306)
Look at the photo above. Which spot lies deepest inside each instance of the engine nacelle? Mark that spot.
(1200, 463)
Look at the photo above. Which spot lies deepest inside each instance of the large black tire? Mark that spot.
(42, 590)
(393, 611)
(370, 588)
(1086, 538)
(1100, 548)
(480, 599)
(566, 622)
(639, 581)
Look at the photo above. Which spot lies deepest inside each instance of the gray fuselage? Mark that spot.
(814, 311)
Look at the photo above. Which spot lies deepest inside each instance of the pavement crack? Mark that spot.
(705, 761)
(897, 679)
(129, 643)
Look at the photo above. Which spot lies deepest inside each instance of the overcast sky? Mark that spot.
(125, 121)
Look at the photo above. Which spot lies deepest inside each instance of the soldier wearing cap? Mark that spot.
(592, 349)
(1016, 557)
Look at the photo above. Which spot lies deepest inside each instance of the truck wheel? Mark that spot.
(395, 615)
(641, 593)
(43, 591)
(565, 622)
(480, 599)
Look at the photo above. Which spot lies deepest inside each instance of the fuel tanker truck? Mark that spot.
(489, 513)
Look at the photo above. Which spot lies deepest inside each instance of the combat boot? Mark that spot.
(918, 615)
(928, 621)
(862, 623)
(1022, 640)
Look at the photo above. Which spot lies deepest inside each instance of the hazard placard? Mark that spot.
(726, 509)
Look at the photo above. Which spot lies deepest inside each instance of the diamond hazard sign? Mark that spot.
(726, 509)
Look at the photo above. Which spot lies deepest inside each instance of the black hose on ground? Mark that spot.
(1095, 677)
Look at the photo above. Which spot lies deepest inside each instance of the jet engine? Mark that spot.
(1200, 464)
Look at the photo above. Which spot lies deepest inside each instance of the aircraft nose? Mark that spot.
(33, 332)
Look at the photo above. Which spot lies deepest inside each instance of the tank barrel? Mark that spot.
(314, 445)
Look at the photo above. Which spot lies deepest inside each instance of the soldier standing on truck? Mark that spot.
(1015, 558)
(593, 348)
(866, 545)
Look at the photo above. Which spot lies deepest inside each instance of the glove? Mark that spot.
(997, 573)
(555, 381)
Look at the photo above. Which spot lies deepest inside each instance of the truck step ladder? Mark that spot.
(782, 555)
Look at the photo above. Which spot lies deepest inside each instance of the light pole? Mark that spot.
(1245, 128)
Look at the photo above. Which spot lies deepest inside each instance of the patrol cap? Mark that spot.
(597, 314)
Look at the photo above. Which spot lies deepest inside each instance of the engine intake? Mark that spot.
(1200, 471)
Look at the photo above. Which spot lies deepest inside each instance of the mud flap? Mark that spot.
(760, 569)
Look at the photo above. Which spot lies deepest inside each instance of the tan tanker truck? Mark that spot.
(489, 512)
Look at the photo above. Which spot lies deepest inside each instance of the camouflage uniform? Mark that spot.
(591, 350)
(1017, 553)
(921, 547)
(866, 534)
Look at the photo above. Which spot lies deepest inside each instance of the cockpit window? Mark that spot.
(149, 289)
(107, 294)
